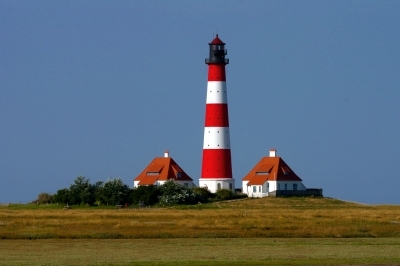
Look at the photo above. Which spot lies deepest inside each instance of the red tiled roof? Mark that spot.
(217, 41)
(155, 168)
(166, 168)
(258, 180)
(149, 180)
(276, 168)
(264, 167)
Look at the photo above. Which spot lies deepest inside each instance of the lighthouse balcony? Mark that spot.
(217, 61)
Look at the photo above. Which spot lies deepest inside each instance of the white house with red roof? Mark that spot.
(271, 177)
(160, 170)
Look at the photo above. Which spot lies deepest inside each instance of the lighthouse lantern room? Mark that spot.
(216, 171)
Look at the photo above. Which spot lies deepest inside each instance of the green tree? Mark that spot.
(82, 191)
(115, 192)
(98, 190)
(62, 196)
(175, 193)
(147, 194)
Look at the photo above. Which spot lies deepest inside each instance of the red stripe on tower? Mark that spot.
(216, 170)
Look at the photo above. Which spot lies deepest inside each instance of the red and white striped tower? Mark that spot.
(216, 170)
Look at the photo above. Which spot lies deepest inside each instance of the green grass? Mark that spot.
(245, 251)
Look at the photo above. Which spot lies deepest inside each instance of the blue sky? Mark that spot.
(100, 88)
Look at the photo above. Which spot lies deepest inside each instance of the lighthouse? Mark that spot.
(216, 170)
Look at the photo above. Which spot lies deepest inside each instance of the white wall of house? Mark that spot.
(269, 186)
(135, 183)
(244, 186)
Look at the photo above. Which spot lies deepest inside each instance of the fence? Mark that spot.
(316, 192)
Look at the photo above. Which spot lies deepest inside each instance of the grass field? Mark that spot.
(251, 218)
(268, 231)
(245, 251)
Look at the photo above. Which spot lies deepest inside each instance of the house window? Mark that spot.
(267, 187)
(279, 186)
(294, 186)
(219, 186)
(178, 174)
(186, 184)
(254, 189)
(259, 189)
(285, 186)
(230, 186)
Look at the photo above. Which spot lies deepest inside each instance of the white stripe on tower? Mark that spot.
(216, 170)
(216, 92)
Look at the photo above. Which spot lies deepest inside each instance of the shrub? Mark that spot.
(224, 194)
(44, 198)
(174, 193)
(203, 193)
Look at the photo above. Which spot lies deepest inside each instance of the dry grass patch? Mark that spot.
(267, 217)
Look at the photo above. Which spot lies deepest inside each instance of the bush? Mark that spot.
(44, 198)
(174, 193)
(203, 193)
(224, 194)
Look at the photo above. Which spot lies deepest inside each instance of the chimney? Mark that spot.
(272, 153)
(166, 154)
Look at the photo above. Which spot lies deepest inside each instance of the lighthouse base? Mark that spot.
(215, 184)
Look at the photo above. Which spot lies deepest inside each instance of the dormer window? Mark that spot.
(262, 173)
(178, 174)
(152, 173)
(285, 170)
(154, 169)
(264, 169)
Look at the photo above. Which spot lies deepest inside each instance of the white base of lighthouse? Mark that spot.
(215, 184)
